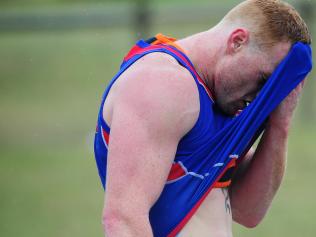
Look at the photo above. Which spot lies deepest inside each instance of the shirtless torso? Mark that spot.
(213, 218)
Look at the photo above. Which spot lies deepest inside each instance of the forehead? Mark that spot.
(274, 55)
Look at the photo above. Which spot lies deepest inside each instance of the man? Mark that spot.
(157, 112)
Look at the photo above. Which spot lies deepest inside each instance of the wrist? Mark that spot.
(280, 126)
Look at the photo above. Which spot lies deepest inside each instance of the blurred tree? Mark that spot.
(142, 18)
(17, 3)
(307, 10)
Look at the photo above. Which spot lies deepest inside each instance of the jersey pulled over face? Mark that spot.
(240, 76)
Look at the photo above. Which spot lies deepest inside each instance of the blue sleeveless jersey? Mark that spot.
(214, 143)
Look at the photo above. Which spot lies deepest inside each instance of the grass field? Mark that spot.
(50, 88)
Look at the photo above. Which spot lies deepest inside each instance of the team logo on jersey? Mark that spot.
(179, 170)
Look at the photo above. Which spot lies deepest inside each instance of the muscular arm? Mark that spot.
(261, 172)
(151, 113)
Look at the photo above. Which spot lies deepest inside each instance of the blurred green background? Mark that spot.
(56, 57)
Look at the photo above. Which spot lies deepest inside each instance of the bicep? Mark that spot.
(146, 127)
(139, 159)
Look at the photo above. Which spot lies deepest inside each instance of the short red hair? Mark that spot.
(271, 21)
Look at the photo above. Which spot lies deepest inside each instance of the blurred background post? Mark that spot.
(56, 57)
(142, 18)
(307, 9)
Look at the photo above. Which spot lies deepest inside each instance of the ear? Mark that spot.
(237, 39)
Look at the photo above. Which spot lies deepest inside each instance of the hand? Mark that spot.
(283, 114)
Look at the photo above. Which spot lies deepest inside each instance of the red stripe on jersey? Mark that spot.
(106, 136)
(138, 50)
(135, 50)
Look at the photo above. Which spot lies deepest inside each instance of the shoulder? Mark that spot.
(160, 73)
(161, 69)
(158, 85)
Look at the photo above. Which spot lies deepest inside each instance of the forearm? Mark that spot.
(120, 224)
(252, 192)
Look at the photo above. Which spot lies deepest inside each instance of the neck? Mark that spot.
(203, 49)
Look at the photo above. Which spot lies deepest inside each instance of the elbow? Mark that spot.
(249, 217)
(109, 221)
(112, 221)
(116, 222)
(250, 224)
(249, 221)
